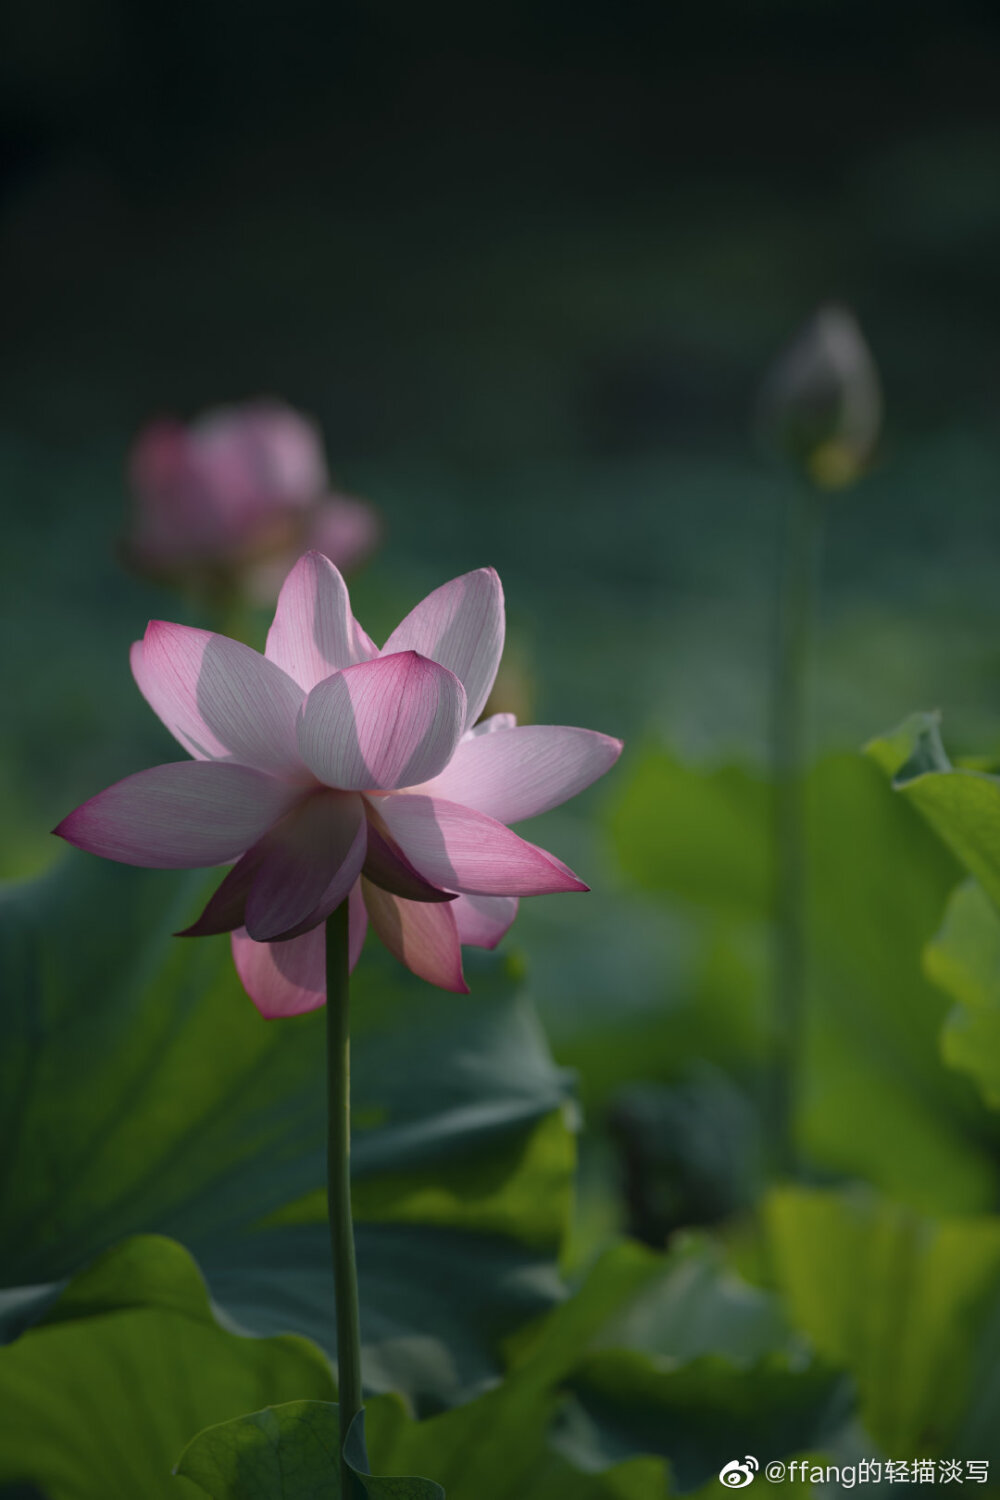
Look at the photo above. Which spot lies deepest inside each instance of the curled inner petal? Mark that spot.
(382, 723)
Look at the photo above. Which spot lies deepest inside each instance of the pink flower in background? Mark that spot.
(243, 490)
(329, 770)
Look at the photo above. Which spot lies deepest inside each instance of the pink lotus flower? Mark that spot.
(329, 770)
(243, 490)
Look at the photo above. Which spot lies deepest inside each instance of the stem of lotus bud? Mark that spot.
(345, 1275)
(798, 576)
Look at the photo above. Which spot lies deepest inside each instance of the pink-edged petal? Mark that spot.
(388, 867)
(382, 723)
(204, 682)
(483, 920)
(463, 850)
(422, 936)
(179, 713)
(179, 816)
(309, 863)
(287, 979)
(517, 773)
(460, 625)
(314, 632)
(491, 725)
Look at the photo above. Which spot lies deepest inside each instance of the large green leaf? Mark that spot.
(699, 1366)
(700, 1415)
(141, 1091)
(670, 1357)
(289, 1452)
(961, 804)
(132, 1367)
(910, 1306)
(874, 1099)
(964, 959)
(131, 1364)
(98, 1400)
(497, 1447)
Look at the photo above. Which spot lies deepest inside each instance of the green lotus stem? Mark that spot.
(798, 570)
(345, 1274)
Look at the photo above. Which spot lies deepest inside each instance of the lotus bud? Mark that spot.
(821, 404)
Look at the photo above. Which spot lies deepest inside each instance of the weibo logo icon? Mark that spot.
(736, 1475)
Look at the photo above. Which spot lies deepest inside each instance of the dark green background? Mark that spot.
(525, 266)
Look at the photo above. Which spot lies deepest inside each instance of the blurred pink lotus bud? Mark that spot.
(343, 529)
(240, 492)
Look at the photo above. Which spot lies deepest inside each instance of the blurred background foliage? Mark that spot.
(526, 270)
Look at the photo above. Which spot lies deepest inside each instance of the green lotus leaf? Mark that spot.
(132, 1369)
(289, 1452)
(98, 1399)
(964, 959)
(141, 1091)
(908, 1305)
(874, 1099)
(960, 803)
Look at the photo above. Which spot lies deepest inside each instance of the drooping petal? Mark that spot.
(518, 773)
(283, 979)
(463, 850)
(314, 632)
(460, 625)
(225, 909)
(383, 723)
(388, 867)
(199, 682)
(483, 920)
(287, 979)
(179, 816)
(357, 925)
(310, 861)
(422, 936)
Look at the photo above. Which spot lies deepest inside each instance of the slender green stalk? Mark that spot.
(345, 1275)
(799, 566)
